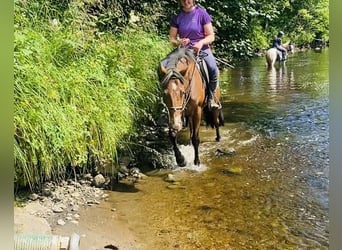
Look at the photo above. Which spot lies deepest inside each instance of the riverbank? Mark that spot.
(59, 210)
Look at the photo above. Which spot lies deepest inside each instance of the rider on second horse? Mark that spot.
(194, 27)
(276, 43)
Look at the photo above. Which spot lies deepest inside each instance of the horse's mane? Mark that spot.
(173, 58)
(171, 61)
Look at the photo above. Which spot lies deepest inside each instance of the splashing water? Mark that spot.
(189, 154)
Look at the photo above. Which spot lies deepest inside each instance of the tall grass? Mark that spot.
(76, 94)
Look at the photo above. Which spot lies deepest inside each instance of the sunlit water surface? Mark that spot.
(264, 186)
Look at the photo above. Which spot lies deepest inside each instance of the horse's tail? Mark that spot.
(208, 117)
(221, 118)
(213, 117)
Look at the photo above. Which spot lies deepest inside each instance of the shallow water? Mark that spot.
(264, 186)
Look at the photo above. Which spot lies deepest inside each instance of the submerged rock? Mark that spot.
(227, 152)
(234, 170)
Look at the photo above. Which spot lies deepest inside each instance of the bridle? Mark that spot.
(173, 73)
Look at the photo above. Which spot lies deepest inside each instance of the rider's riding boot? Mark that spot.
(212, 104)
(211, 101)
(283, 56)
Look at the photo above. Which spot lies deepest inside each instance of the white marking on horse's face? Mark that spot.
(174, 86)
(174, 98)
(176, 121)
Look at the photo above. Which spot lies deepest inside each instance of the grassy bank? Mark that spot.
(77, 94)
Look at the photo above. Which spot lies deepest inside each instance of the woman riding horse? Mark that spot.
(192, 28)
(273, 54)
(276, 43)
(184, 96)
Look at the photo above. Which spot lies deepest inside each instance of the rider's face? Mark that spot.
(187, 4)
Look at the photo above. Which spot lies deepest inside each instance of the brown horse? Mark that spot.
(273, 54)
(184, 95)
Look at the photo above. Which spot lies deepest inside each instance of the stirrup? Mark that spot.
(213, 105)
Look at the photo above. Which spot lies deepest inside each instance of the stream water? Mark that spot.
(264, 186)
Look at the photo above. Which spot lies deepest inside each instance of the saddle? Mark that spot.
(202, 66)
(203, 69)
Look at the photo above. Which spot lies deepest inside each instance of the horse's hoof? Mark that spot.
(218, 138)
(196, 162)
(181, 162)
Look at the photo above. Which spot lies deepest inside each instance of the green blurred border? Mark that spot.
(6, 125)
(335, 97)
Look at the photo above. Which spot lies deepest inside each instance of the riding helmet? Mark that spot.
(281, 33)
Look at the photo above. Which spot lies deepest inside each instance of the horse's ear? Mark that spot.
(161, 72)
(162, 68)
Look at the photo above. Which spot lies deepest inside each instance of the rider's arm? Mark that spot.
(173, 36)
(208, 39)
(209, 34)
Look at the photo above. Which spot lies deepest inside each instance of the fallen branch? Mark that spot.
(225, 62)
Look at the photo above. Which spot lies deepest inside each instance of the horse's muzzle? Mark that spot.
(172, 132)
(175, 121)
(176, 127)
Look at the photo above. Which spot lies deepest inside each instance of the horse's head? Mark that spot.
(289, 46)
(174, 96)
(174, 85)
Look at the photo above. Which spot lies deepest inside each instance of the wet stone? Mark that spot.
(235, 170)
(33, 197)
(58, 209)
(170, 178)
(61, 222)
(46, 192)
(175, 185)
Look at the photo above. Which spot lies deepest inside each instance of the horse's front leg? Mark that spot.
(179, 157)
(218, 136)
(195, 142)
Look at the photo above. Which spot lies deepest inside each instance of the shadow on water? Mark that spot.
(265, 185)
(124, 187)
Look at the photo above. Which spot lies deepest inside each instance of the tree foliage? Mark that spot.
(241, 26)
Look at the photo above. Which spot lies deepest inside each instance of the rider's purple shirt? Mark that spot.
(191, 24)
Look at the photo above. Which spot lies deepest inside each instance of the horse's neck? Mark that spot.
(190, 73)
(286, 45)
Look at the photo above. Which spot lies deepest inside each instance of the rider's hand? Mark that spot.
(184, 41)
(197, 47)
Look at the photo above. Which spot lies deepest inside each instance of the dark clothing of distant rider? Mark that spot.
(276, 43)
